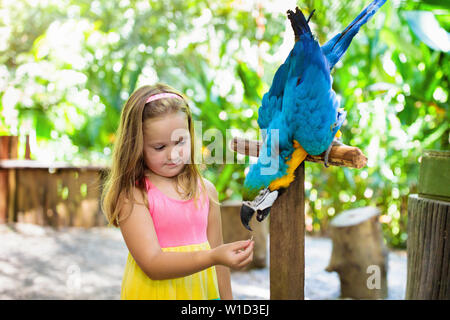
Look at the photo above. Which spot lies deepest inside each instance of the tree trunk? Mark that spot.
(428, 249)
(359, 254)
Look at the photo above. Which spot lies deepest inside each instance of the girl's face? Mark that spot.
(167, 144)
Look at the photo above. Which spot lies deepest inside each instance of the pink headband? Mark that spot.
(163, 95)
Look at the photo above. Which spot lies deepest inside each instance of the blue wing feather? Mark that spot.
(309, 115)
(271, 102)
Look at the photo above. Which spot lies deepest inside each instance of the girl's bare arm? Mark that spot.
(140, 237)
(215, 238)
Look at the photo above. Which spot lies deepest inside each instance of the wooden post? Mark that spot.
(27, 147)
(287, 220)
(8, 150)
(3, 195)
(428, 270)
(287, 241)
(8, 147)
(428, 244)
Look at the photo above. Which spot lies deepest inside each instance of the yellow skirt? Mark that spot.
(136, 285)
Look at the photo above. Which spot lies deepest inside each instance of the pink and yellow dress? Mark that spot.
(180, 226)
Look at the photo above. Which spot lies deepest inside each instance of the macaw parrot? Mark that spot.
(300, 114)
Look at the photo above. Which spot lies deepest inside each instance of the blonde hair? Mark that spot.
(128, 165)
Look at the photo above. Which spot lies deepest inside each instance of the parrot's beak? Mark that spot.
(247, 213)
(261, 205)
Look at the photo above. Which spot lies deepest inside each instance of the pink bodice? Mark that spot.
(177, 222)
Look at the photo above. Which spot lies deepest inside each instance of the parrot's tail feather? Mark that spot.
(299, 23)
(362, 18)
(336, 47)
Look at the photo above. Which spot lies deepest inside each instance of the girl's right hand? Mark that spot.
(235, 255)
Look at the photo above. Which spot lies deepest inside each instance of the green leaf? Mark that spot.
(427, 29)
(224, 177)
(436, 135)
(43, 125)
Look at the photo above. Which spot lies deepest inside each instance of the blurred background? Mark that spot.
(68, 66)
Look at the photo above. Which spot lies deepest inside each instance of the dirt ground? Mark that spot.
(74, 263)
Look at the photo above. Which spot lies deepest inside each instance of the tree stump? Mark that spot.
(428, 249)
(428, 230)
(359, 254)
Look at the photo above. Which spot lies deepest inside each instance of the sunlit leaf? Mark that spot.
(427, 29)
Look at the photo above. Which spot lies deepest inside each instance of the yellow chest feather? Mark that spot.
(297, 158)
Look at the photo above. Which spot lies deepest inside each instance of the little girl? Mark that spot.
(168, 214)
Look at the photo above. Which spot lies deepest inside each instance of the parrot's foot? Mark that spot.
(336, 142)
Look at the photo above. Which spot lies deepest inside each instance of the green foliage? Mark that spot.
(67, 67)
(395, 90)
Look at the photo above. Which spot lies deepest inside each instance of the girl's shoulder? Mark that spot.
(210, 188)
(127, 201)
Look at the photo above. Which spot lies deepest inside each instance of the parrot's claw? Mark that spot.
(325, 159)
(336, 142)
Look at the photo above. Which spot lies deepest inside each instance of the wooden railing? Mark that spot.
(54, 194)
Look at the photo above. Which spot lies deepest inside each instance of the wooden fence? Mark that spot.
(54, 194)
